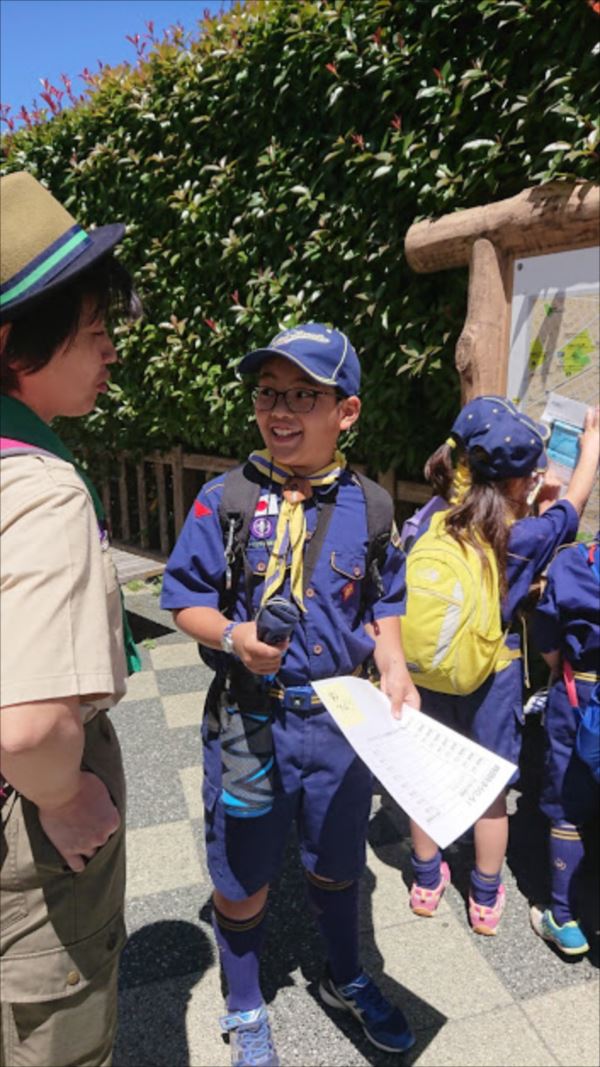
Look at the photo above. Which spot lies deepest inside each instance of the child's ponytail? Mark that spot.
(478, 509)
(483, 514)
(439, 470)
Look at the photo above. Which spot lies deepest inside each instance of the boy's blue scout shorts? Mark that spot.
(569, 791)
(320, 783)
(492, 716)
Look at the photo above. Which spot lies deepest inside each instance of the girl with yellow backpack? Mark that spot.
(467, 575)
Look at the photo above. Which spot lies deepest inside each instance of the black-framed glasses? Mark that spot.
(298, 400)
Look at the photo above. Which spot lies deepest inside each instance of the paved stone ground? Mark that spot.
(471, 1000)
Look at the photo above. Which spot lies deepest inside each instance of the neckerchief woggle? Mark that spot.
(290, 534)
(21, 423)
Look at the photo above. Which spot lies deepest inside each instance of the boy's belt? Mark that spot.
(296, 697)
(301, 697)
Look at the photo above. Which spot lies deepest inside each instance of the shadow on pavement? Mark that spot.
(143, 628)
(294, 943)
(160, 965)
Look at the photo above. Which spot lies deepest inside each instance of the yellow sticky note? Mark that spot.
(536, 354)
(342, 705)
(576, 354)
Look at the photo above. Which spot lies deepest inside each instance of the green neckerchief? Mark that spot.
(21, 423)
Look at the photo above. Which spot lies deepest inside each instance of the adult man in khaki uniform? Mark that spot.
(62, 644)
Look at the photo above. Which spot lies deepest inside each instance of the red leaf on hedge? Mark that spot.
(332, 68)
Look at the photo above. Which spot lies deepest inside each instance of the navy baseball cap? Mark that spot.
(500, 441)
(323, 353)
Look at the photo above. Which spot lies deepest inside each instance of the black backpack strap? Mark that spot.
(241, 490)
(325, 505)
(380, 521)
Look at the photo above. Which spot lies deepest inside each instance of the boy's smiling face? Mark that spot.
(304, 442)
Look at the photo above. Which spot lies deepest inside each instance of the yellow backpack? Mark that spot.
(452, 630)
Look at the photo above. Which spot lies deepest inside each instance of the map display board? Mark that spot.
(554, 362)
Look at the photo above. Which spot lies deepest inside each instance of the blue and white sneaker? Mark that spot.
(250, 1040)
(568, 938)
(383, 1024)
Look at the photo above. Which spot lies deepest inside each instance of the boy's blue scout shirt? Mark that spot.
(330, 638)
(567, 617)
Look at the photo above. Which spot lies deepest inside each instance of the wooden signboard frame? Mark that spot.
(557, 217)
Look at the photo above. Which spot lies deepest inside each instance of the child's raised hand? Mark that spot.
(590, 437)
(549, 492)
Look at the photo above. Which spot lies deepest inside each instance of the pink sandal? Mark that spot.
(425, 901)
(485, 920)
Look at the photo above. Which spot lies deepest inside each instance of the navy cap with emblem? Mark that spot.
(325, 355)
(501, 442)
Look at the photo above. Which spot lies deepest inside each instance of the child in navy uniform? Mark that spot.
(306, 394)
(498, 473)
(567, 632)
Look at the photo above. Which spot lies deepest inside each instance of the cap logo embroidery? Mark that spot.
(299, 335)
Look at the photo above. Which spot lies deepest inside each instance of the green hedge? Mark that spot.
(268, 172)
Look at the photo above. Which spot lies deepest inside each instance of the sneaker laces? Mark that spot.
(254, 1040)
(369, 998)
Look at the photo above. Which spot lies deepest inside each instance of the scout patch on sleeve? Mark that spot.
(395, 537)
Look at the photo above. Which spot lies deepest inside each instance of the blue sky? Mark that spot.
(44, 38)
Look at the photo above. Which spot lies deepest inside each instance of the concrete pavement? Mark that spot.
(471, 1000)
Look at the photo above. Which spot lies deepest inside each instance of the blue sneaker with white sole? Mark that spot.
(384, 1025)
(250, 1040)
(568, 938)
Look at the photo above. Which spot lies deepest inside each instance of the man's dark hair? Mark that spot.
(52, 321)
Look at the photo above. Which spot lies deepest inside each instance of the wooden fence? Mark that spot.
(146, 499)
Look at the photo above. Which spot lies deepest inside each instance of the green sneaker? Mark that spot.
(569, 937)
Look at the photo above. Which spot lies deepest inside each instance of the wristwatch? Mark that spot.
(227, 638)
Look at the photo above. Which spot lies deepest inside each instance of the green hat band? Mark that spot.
(68, 247)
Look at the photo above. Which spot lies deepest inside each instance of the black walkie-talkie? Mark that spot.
(275, 620)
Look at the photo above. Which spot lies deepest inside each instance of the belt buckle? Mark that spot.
(296, 701)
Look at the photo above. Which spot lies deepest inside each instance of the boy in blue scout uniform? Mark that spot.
(308, 381)
(567, 630)
(491, 485)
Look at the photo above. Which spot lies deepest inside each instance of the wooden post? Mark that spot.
(142, 503)
(125, 532)
(178, 499)
(482, 345)
(163, 520)
(548, 218)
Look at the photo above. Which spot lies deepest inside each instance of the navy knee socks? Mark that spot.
(335, 905)
(566, 854)
(240, 945)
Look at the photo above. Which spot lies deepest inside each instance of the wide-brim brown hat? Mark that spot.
(42, 247)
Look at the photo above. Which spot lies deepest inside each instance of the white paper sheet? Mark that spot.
(572, 412)
(440, 779)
